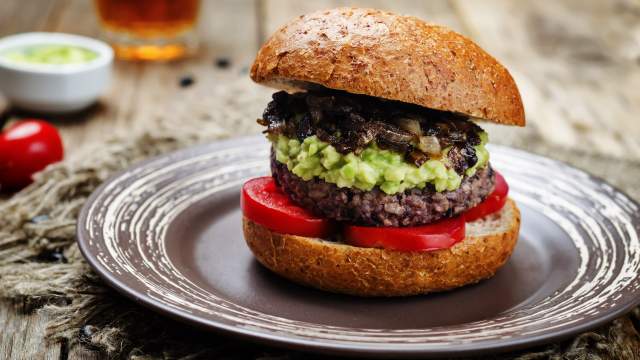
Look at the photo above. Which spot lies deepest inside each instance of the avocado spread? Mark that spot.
(371, 167)
(50, 54)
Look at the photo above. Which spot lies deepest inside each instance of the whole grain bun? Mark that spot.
(361, 271)
(378, 53)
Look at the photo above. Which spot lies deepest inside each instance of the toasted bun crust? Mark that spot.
(378, 53)
(360, 271)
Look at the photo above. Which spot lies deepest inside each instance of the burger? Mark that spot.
(381, 181)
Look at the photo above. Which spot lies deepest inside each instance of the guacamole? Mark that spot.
(372, 167)
(50, 54)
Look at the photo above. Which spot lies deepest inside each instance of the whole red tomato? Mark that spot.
(27, 147)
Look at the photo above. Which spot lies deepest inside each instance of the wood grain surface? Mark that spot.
(577, 64)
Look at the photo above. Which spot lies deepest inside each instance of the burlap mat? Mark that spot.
(40, 263)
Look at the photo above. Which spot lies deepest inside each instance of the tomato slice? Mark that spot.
(439, 235)
(493, 203)
(264, 203)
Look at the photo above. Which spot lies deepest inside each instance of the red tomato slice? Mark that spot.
(493, 203)
(439, 235)
(264, 203)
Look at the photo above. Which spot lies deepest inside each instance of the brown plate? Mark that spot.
(167, 233)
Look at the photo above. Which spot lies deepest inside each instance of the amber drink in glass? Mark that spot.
(154, 30)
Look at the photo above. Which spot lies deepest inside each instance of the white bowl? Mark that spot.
(54, 88)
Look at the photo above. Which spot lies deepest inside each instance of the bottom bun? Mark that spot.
(347, 269)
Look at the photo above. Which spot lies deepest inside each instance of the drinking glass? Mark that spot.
(152, 30)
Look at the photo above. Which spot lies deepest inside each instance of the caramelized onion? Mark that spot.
(409, 124)
(417, 158)
(429, 145)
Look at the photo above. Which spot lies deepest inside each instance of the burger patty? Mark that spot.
(412, 207)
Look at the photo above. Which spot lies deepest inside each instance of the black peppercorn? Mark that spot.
(222, 63)
(186, 81)
(54, 255)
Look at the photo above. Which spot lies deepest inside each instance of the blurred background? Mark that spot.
(576, 62)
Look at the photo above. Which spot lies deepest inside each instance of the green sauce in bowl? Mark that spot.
(50, 54)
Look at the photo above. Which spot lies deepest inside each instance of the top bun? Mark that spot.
(381, 54)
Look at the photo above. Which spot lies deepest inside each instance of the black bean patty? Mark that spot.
(412, 207)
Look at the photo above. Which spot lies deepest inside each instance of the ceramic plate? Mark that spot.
(167, 233)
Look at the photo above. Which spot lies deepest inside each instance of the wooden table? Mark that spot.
(577, 64)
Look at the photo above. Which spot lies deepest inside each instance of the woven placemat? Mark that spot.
(40, 263)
